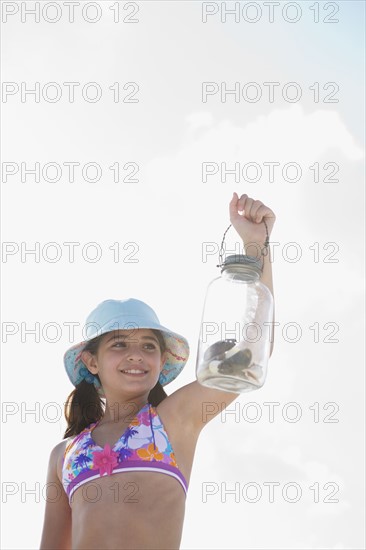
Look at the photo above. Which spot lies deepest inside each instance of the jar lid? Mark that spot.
(241, 262)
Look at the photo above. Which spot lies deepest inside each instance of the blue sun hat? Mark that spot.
(128, 314)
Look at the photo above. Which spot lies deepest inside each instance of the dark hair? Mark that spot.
(85, 406)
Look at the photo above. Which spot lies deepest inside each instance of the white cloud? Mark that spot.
(283, 134)
(199, 120)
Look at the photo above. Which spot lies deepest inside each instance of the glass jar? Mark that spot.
(234, 342)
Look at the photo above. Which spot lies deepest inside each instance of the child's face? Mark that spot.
(123, 350)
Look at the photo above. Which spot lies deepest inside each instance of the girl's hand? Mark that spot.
(249, 225)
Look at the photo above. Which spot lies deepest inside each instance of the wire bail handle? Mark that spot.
(264, 249)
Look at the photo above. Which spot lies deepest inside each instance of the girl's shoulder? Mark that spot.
(59, 449)
(57, 456)
(58, 452)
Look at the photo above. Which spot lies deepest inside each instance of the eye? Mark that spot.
(123, 344)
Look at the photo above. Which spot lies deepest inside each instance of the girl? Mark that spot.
(119, 478)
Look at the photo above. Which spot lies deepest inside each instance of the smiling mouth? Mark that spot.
(134, 372)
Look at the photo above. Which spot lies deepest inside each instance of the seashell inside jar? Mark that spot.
(233, 363)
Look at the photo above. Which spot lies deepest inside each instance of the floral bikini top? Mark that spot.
(144, 446)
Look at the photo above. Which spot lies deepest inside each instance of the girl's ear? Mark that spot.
(163, 359)
(89, 361)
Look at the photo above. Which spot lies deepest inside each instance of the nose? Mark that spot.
(134, 353)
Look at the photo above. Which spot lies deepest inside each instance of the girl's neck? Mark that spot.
(120, 412)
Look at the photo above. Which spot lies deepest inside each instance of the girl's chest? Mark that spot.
(169, 432)
(182, 437)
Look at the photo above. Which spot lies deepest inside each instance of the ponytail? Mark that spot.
(84, 405)
(82, 408)
(157, 395)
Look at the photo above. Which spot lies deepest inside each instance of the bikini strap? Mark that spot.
(151, 426)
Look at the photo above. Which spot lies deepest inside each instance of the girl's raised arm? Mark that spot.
(251, 230)
(198, 404)
(56, 534)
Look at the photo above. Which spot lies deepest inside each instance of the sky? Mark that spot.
(142, 215)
